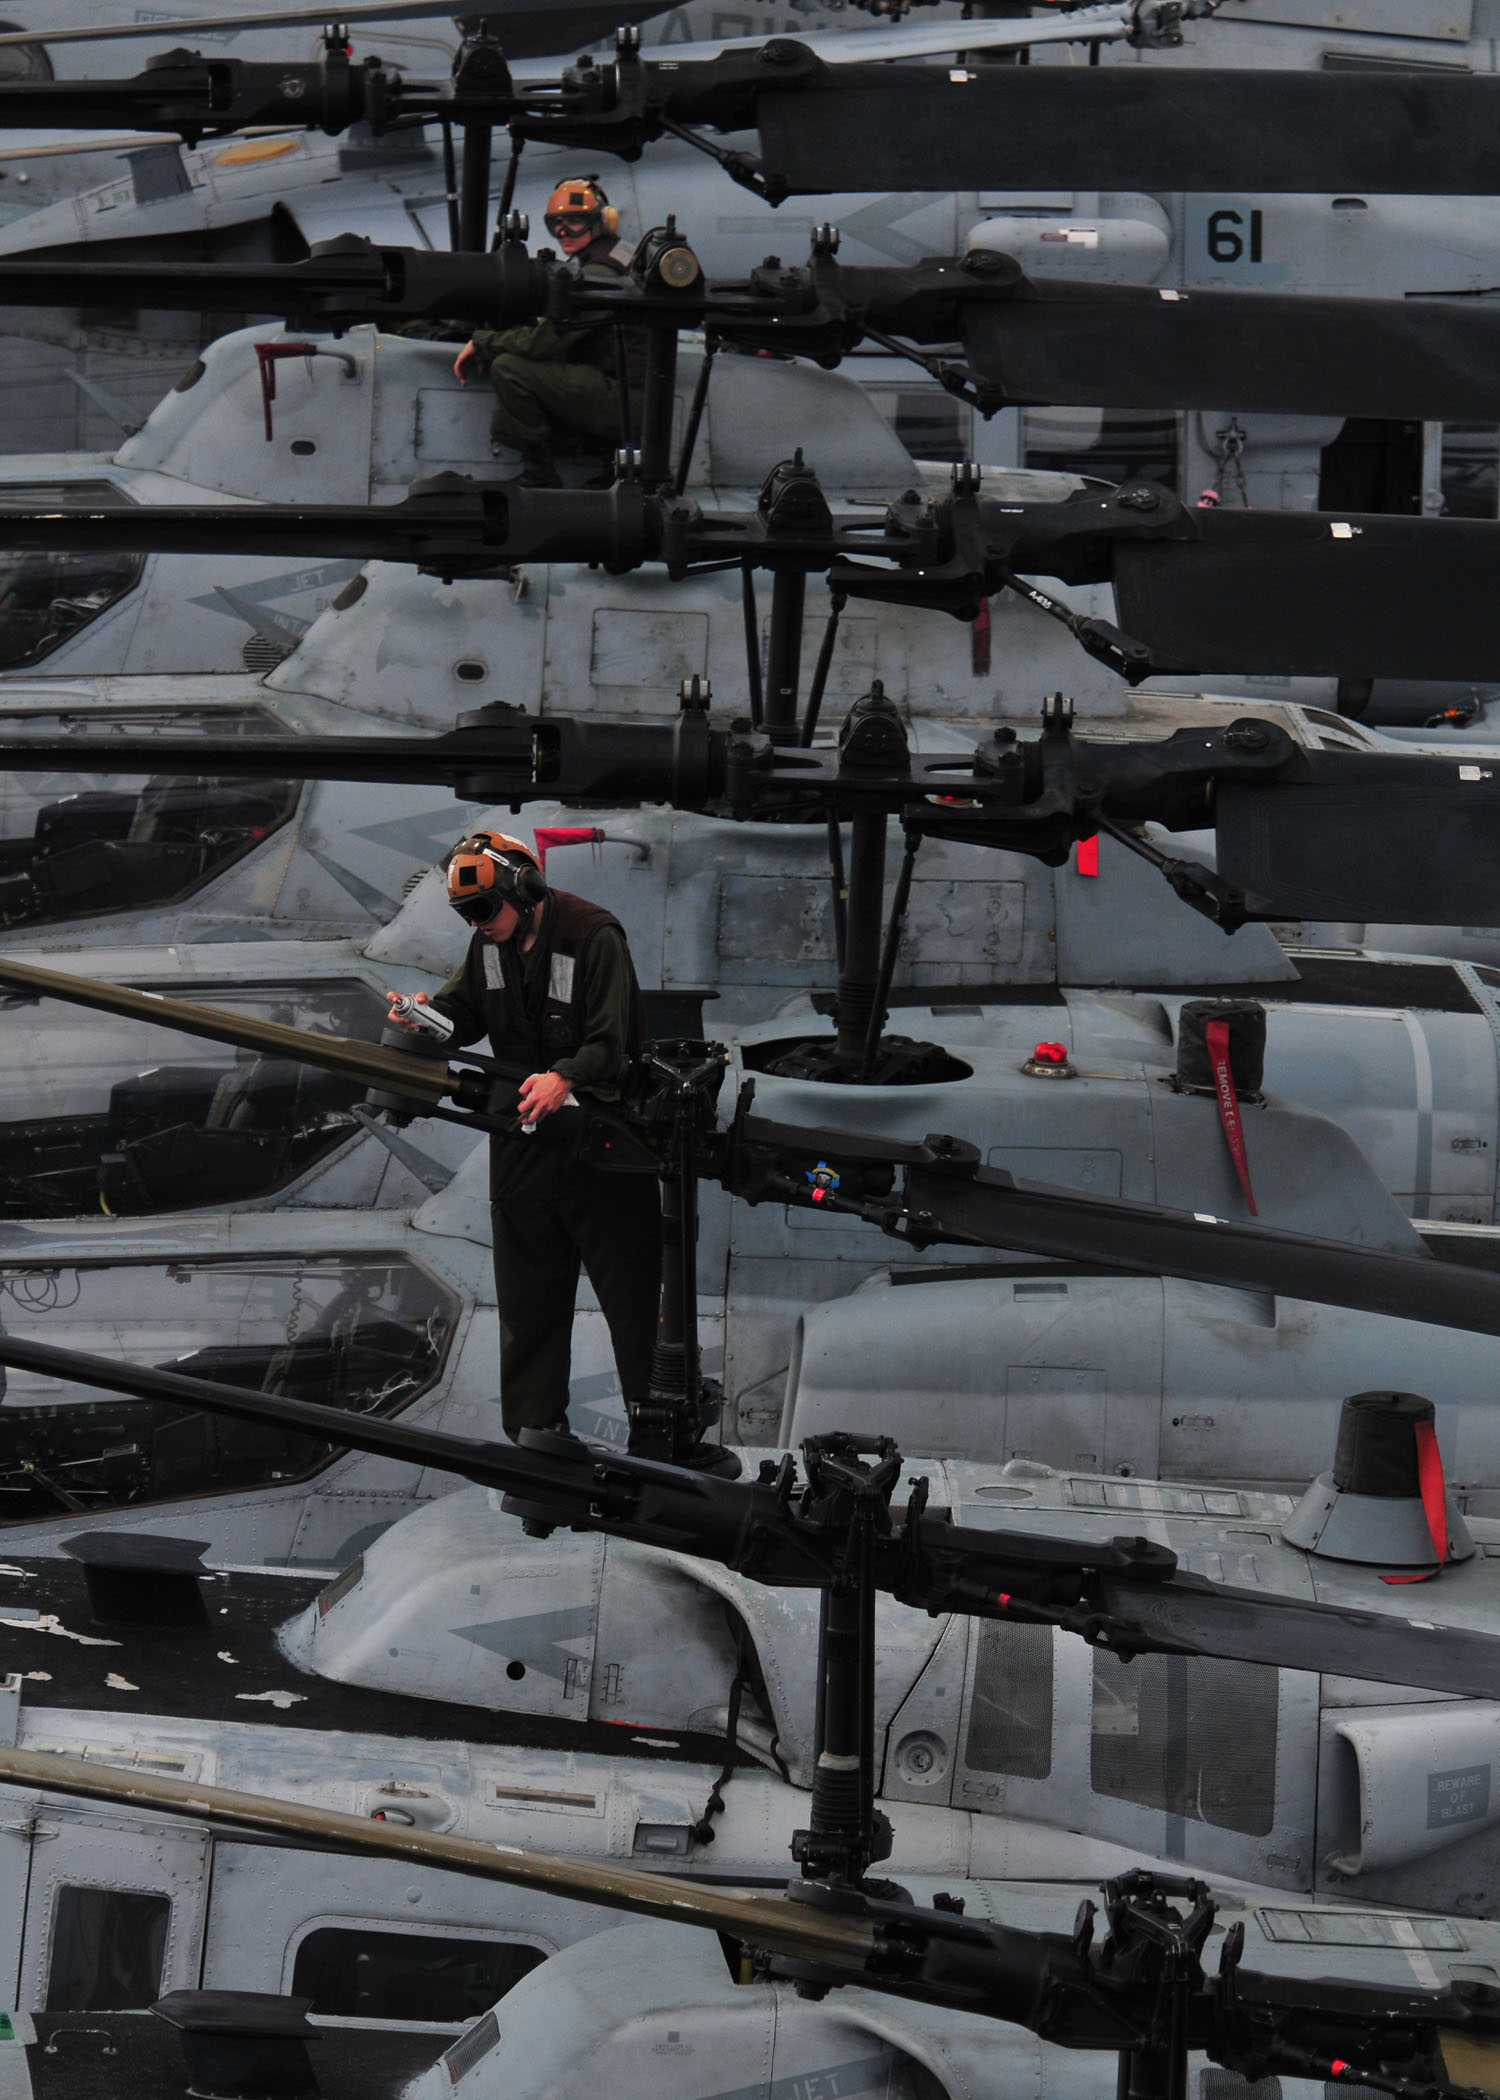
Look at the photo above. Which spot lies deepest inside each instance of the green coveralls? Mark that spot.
(550, 1213)
(545, 377)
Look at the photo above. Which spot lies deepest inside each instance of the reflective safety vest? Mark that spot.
(554, 1025)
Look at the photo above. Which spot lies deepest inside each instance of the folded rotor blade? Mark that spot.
(419, 1078)
(1411, 843)
(530, 25)
(1128, 346)
(961, 1570)
(765, 1920)
(453, 526)
(1332, 1640)
(1138, 128)
(990, 1209)
(1110, 345)
(1316, 594)
(1255, 592)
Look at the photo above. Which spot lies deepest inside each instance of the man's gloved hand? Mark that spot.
(542, 1095)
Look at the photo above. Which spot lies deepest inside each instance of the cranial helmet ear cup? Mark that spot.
(610, 219)
(530, 885)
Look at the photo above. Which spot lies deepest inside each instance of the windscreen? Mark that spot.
(105, 1114)
(362, 1332)
(76, 846)
(45, 599)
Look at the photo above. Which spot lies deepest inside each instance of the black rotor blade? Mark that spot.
(1329, 1640)
(900, 127)
(452, 526)
(1316, 594)
(1255, 592)
(417, 761)
(1337, 835)
(349, 280)
(1131, 346)
(1136, 128)
(1034, 340)
(740, 1523)
(1398, 842)
(991, 1209)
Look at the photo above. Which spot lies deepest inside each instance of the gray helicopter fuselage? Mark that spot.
(440, 1681)
(224, 1704)
(1229, 1768)
(386, 1310)
(1396, 1060)
(1130, 1374)
(657, 2010)
(370, 414)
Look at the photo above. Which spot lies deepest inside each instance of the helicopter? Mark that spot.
(213, 200)
(953, 1732)
(758, 1271)
(204, 440)
(399, 413)
(672, 2014)
(990, 951)
(1019, 227)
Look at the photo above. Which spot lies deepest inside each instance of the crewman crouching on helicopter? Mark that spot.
(552, 379)
(549, 977)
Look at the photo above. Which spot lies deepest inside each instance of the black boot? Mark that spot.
(538, 468)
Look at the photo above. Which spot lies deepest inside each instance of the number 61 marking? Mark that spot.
(1226, 236)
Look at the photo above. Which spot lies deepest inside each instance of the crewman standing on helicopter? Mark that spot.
(548, 976)
(552, 379)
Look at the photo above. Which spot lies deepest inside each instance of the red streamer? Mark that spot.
(1217, 1034)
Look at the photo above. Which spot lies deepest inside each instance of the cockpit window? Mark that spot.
(366, 1333)
(46, 598)
(75, 846)
(92, 1118)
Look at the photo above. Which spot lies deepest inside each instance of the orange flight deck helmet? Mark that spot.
(578, 212)
(488, 869)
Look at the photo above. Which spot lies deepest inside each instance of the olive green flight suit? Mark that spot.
(548, 378)
(551, 1213)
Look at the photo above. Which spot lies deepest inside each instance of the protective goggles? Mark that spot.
(481, 907)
